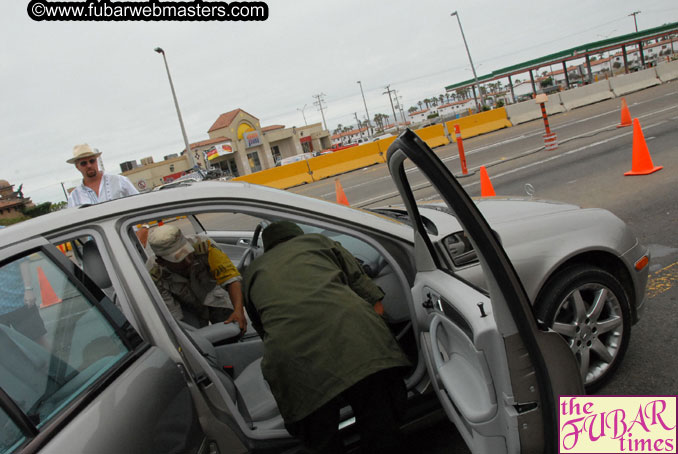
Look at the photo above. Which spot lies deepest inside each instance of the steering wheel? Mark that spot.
(252, 250)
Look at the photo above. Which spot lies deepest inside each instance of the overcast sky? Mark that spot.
(66, 83)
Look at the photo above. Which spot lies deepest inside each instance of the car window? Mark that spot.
(58, 337)
(228, 221)
(12, 437)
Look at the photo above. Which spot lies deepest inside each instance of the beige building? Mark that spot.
(12, 203)
(237, 146)
(148, 176)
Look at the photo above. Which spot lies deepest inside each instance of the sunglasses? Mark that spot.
(84, 163)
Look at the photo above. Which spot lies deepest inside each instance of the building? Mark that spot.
(456, 107)
(352, 136)
(151, 174)
(245, 147)
(420, 116)
(12, 203)
(237, 145)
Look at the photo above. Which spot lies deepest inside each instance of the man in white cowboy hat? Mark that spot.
(96, 186)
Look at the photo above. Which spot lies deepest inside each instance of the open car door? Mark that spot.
(496, 373)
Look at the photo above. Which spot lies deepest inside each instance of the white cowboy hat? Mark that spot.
(81, 152)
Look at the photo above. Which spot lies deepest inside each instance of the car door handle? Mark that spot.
(433, 302)
(244, 242)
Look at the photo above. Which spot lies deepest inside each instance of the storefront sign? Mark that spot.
(219, 149)
(252, 139)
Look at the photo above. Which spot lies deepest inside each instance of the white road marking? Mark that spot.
(486, 147)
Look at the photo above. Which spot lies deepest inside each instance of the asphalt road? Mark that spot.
(588, 170)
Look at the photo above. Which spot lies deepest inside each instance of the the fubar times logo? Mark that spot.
(617, 424)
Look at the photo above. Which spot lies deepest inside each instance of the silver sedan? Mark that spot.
(583, 269)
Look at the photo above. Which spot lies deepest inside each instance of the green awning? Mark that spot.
(571, 54)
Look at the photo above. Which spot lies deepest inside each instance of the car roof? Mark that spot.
(52, 223)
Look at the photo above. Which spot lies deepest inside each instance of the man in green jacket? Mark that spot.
(324, 342)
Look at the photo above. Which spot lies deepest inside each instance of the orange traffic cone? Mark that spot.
(46, 291)
(625, 115)
(486, 189)
(341, 196)
(641, 163)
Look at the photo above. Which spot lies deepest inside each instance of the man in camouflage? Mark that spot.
(197, 281)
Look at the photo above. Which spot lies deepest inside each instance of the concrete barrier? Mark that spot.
(434, 136)
(480, 123)
(523, 112)
(628, 83)
(667, 71)
(346, 160)
(554, 104)
(529, 110)
(588, 94)
(282, 177)
(383, 145)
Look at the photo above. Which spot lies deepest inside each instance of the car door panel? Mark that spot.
(154, 414)
(484, 351)
(89, 383)
(463, 356)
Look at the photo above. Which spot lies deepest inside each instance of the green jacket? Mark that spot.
(312, 304)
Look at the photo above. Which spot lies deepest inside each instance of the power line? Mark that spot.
(395, 118)
(635, 22)
(320, 98)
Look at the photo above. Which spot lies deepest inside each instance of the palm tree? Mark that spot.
(338, 129)
(412, 109)
(427, 102)
(448, 96)
(441, 98)
(420, 104)
(379, 120)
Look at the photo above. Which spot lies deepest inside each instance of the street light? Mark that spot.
(475, 77)
(302, 113)
(191, 161)
(369, 123)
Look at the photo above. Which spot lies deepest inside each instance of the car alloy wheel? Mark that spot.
(589, 308)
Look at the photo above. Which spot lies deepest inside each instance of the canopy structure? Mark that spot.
(574, 53)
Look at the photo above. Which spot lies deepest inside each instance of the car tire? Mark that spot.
(598, 336)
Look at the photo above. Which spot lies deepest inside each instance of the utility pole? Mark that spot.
(635, 22)
(395, 118)
(369, 123)
(320, 98)
(473, 69)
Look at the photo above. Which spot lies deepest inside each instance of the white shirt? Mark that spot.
(111, 187)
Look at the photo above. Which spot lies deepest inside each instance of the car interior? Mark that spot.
(235, 357)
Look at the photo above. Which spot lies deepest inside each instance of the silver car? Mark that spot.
(583, 269)
(113, 371)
